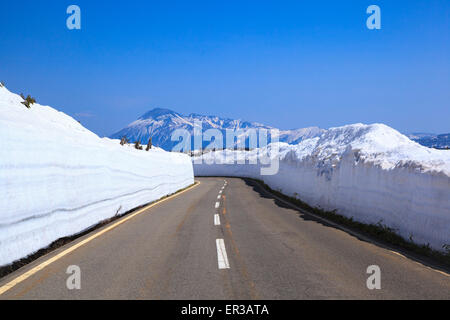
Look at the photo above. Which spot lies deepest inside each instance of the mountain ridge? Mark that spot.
(160, 123)
(431, 140)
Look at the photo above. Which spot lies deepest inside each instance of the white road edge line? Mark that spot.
(216, 220)
(222, 258)
(217, 205)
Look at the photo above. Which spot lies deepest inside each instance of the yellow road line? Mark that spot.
(420, 264)
(44, 264)
(397, 253)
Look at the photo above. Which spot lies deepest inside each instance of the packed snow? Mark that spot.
(57, 178)
(369, 172)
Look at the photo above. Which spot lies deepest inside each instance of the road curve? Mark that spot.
(227, 240)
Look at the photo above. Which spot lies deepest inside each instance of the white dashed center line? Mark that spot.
(222, 258)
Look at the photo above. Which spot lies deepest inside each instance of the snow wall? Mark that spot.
(58, 179)
(369, 172)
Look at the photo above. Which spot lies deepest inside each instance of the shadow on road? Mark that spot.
(358, 234)
(302, 213)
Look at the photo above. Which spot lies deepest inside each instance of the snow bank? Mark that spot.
(57, 178)
(369, 172)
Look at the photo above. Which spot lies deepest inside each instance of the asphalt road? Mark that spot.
(269, 251)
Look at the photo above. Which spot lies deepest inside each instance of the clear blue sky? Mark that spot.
(287, 64)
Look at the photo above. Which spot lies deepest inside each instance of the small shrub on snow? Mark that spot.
(137, 145)
(149, 144)
(28, 101)
(124, 141)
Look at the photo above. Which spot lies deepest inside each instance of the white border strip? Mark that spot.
(216, 220)
(222, 258)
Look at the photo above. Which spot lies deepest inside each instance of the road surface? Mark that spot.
(225, 241)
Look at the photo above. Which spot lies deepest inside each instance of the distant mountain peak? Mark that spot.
(431, 140)
(157, 112)
(160, 123)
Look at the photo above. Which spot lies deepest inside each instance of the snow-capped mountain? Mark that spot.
(431, 140)
(161, 123)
